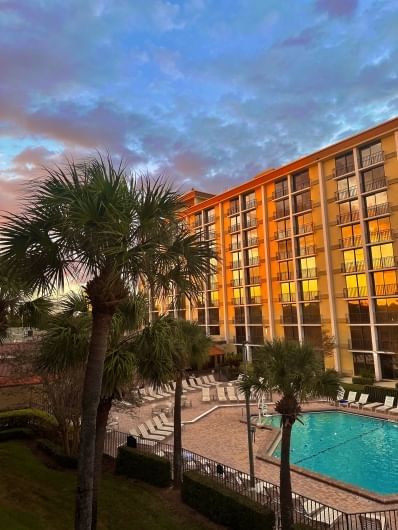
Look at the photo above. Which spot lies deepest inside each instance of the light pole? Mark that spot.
(245, 350)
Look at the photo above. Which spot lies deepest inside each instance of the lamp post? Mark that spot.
(246, 355)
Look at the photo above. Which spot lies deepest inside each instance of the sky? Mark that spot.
(205, 92)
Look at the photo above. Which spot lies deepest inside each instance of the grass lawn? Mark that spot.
(35, 497)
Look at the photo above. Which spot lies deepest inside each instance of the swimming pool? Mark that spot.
(355, 449)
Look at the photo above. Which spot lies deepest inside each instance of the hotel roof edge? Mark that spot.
(323, 153)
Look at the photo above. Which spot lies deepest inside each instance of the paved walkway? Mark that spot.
(222, 436)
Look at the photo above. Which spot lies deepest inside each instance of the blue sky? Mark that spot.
(207, 92)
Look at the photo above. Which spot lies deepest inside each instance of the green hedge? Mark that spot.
(379, 393)
(348, 387)
(41, 423)
(14, 434)
(56, 452)
(362, 380)
(224, 506)
(147, 467)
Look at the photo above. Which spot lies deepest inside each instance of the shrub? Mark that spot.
(224, 506)
(379, 393)
(147, 467)
(15, 434)
(41, 423)
(363, 380)
(348, 387)
(55, 451)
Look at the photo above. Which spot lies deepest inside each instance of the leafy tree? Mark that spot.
(295, 371)
(165, 350)
(91, 220)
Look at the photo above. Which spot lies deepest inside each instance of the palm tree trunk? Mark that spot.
(103, 410)
(177, 455)
(285, 478)
(91, 397)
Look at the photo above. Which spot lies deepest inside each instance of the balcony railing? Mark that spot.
(277, 194)
(281, 213)
(234, 228)
(234, 246)
(378, 209)
(307, 205)
(287, 297)
(381, 235)
(284, 255)
(282, 234)
(388, 262)
(348, 217)
(238, 301)
(254, 280)
(307, 273)
(352, 241)
(353, 266)
(233, 210)
(305, 229)
(390, 289)
(358, 318)
(306, 251)
(254, 300)
(253, 261)
(347, 193)
(360, 344)
(252, 242)
(235, 264)
(250, 204)
(344, 169)
(375, 184)
(285, 275)
(250, 223)
(308, 296)
(355, 292)
(374, 158)
(236, 282)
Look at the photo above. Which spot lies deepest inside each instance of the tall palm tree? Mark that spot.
(165, 350)
(91, 221)
(296, 372)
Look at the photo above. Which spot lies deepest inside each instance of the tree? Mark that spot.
(91, 221)
(165, 350)
(296, 372)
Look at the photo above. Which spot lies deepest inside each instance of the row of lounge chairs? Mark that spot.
(362, 403)
(149, 393)
(232, 394)
(154, 430)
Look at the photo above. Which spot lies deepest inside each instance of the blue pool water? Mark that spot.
(358, 450)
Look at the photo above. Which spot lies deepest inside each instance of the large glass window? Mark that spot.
(353, 260)
(349, 211)
(281, 188)
(385, 283)
(233, 205)
(376, 204)
(210, 215)
(198, 219)
(303, 223)
(351, 236)
(344, 163)
(302, 201)
(288, 292)
(361, 338)
(251, 237)
(311, 313)
(210, 231)
(252, 275)
(235, 241)
(313, 336)
(250, 219)
(363, 363)
(305, 245)
(237, 277)
(289, 313)
(249, 200)
(382, 256)
(282, 208)
(252, 257)
(254, 294)
(309, 289)
(285, 249)
(307, 267)
(379, 229)
(301, 180)
(286, 270)
(283, 229)
(236, 259)
(373, 178)
(371, 154)
(346, 188)
(255, 315)
(291, 333)
(239, 315)
(358, 311)
(388, 338)
(386, 310)
(237, 295)
(356, 285)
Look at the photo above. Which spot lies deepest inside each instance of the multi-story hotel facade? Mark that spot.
(309, 250)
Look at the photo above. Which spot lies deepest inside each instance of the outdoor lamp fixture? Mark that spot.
(246, 356)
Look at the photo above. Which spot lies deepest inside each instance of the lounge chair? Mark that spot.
(153, 430)
(160, 426)
(221, 394)
(205, 394)
(201, 381)
(352, 396)
(231, 393)
(185, 386)
(340, 396)
(388, 404)
(212, 380)
(241, 395)
(373, 522)
(164, 420)
(193, 383)
(145, 396)
(372, 406)
(154, 393)
(138, 436)
(206, 379)
(363, 399)
(145, 434)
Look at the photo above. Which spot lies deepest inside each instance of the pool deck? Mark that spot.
(221, 435)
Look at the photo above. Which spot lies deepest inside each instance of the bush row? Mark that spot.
(224, 506)
(147, 467)
(57, 454)
(15, 434)
(41, 423)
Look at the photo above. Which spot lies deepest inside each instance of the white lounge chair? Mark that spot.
(231, 393)
(372, 406)
(373, 521)
(201, 381)
(212, 380)
(185, 386)
(145, 396)
(340, 395)
(145, 434)
(221, 394)
(138, 436)
(159, 425)
(206, 379)
(352, 396)
(154, 393)
(193, 383)
(164, 420)
(205, 394)
(388, 404)
(363, 399)
(153, 430)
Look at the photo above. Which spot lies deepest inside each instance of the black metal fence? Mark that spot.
(314, 514)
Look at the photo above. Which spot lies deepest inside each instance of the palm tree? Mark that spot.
(296, 372)
(166, 349)
(91, 221)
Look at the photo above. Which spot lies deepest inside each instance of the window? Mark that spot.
(309, 290)
(344, 163)
(252, 257)
(385, 283)
(388, 338)
(255, 315)
(201, 316)
(291, 333)
(302, 201)
(210, 231)
(240, 334)
(281, 188)
(198, 219)
(351, 236)
(256, 335)
(363, 363)
(386, 310)
(233, 206)
(237, 295)
(382, 256)
(212, 282)
(210, 216)
(376, 204)
(289, 313)
(237, 277)
(286, 270)
(307, 267)
(236, 259)
(249, 200)
(288, 292)
(361, 338)
(250, 219)
(252, 275)
(313, 336)
(239, 315)
(311, 313)
(346, 188)
(349, 211)
(303, 223)
(235, 242)
(254, 294)
(301, 180)
(358, 311)
(305, 245)
(213, 299)
(251, 238)
(373, 179)
(379, 229)
(282, 208)
(353, 260)
(371, 154)
(282, 229)
(285, 249)
(356, 285)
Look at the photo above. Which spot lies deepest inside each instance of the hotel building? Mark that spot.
(306, 250)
